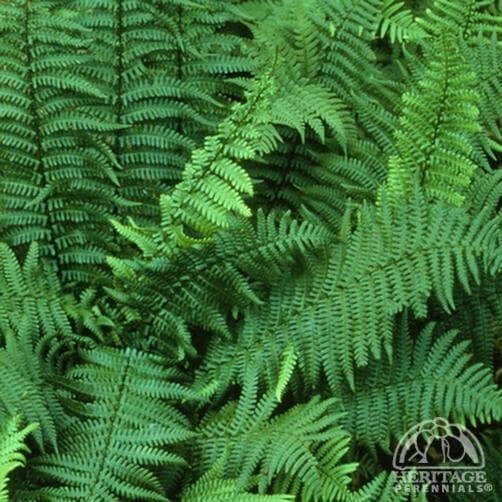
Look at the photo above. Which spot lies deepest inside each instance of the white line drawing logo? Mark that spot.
(454, 445)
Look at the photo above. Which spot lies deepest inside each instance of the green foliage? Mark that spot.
(433, 135)
(124, 399)
(56, 187)
(12, 450)
(398, 23)
(245, 246)
(426, 378)
(300, 447)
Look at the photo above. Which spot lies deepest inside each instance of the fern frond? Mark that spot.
(55, 185)
(12, 450)
(290, 29)
(294, 443)
(465, 17)
(397, 257)
(211, 487)
(399, 23)
(127, 420)
(168, 86)
(32, 296)
(432, 376)
(28, 387)
(484, 56)
(199, 286)
(214, 183)
(433, 139)
(349, 68)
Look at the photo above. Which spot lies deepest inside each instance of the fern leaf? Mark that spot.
(433, 139)
(12, 449)
(127, 420)
(430, 377)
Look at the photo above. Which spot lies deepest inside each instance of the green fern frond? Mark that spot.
(211, 487)
(348, 68)
(167, 86)
(127, 420)
(26, 376)
(484, 57)
(289, 359)
(397, 257)
(435, 130)
(56, 185)
(214, 183)
(292, 444)
(432, 376)
(198, 286)
(245, 245)
(12, 450)
(399, 23)
(32, 297)
(466, 17)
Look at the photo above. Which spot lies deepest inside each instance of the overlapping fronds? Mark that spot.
(246, 246)
(162, 297)
(430, 376)
(300, 449)
(57, 175)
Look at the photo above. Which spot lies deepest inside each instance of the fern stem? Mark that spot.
(439, 116)
(237, 125)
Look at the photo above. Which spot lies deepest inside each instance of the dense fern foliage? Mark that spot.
(246, 245)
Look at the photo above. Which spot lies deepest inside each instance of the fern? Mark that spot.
(127, 418)
(214, 183)
(433, 139)
(437, 378)
(399, 23)
(468, 17)
(12, 450)
(255, 440)
(35, 319)
(212, 488)
(484, 56)
(246, 245)
(57, 181)
(165, 86)
(217, 275)
(395, 259)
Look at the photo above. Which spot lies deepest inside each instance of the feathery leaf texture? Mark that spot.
(434, 129)
(12, 450)
(246, 245)
(128, 420)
